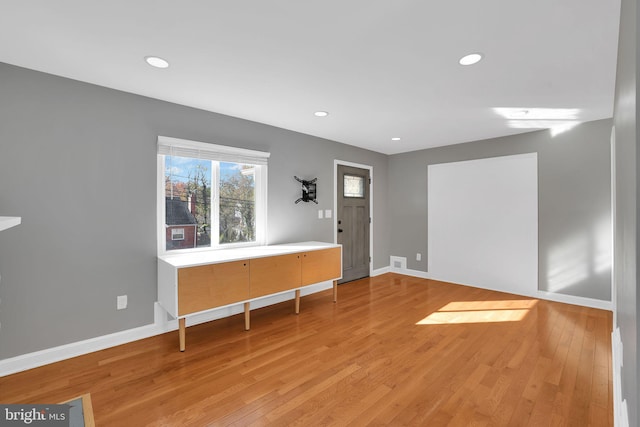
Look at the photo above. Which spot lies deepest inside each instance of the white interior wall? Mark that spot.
(483, 223)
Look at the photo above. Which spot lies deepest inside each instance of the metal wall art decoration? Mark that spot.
(308, 190)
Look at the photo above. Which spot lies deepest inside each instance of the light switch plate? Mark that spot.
(122, 302)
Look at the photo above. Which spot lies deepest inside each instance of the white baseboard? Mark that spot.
(550, 296)
(379, 271)
(67, 351)
(571, 299)
(415, 273)
(161, 325)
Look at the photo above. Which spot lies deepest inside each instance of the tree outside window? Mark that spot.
(216, 196)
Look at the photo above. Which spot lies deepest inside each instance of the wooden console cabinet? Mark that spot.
(198, 282)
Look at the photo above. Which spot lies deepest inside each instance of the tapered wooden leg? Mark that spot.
(247, 316)
(335, 291)
(182, 329)
(297, 301)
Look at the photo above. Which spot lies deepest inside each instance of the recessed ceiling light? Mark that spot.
(321, 114)
(395, 138)
(156, 61)
(470, 59)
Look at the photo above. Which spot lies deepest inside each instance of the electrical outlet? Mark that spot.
(121, 302)
(418, 256)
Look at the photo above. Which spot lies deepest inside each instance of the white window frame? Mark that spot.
(220, 153)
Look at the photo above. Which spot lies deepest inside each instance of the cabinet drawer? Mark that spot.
(275, 274)
(209, 286)
(318, 266)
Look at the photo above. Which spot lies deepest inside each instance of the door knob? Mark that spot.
(339, 230)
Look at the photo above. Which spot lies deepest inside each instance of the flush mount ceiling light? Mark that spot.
(470, 59)
(156, 61)
(395, 138)
(321, 114)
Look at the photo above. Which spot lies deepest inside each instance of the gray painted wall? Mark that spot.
(626, 182)
(78, 163)
(574, 203)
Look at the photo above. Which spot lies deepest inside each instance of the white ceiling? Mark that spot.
(381, 68)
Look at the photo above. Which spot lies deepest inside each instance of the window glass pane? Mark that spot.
(188, 201)
(237, 203)
(353, 186)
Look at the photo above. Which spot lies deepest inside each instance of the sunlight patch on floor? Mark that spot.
(480, 312)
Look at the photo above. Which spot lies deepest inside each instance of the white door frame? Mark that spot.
(614, 289)
(337, 162)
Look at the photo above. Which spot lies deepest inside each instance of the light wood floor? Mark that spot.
(394, 350)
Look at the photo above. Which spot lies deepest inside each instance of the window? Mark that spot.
(353, 186)
(177, 234)
(216, 192)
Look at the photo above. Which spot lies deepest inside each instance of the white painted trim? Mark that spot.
(67, 351)
(614, 287)
(161, 325)
(220, 152)
(261, 206)
(622, 420)
(571, 299)
(337, 162)
(620, 411)
(415, 273)
(380, 271)
(160, 206)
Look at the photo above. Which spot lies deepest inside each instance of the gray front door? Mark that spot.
(353, 221)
